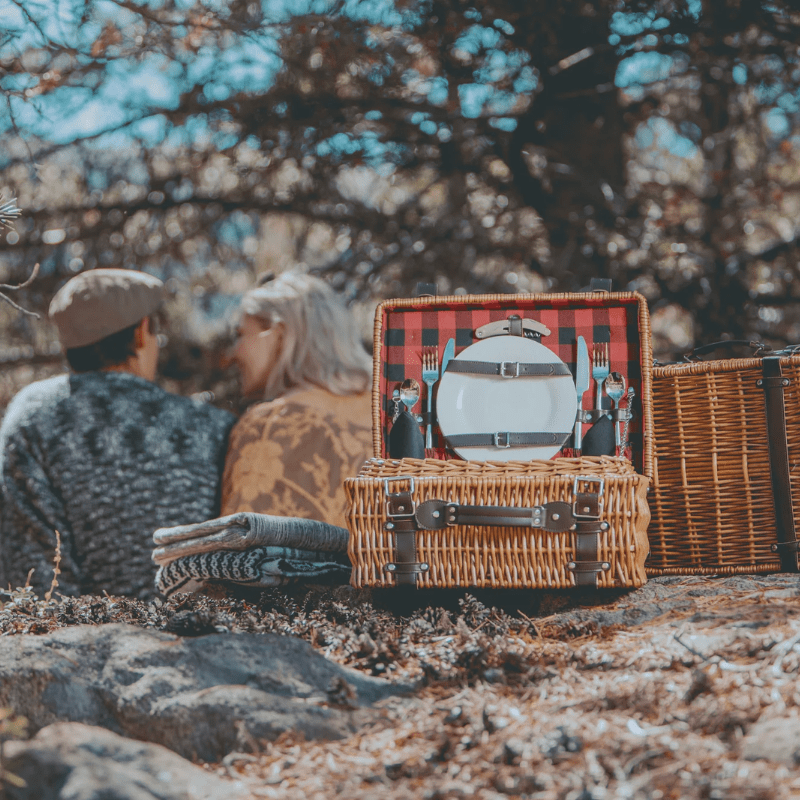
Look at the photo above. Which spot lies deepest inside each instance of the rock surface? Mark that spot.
(201, 697)
(684, 688)
(71, 761)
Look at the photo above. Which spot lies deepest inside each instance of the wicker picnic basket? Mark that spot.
(723, 489)
(503, 556)
(448, 523)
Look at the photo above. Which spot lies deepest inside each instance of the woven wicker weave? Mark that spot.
(505, 556)
(712, 500)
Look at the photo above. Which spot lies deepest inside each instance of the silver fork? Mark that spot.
(600, 370)
(430, 374)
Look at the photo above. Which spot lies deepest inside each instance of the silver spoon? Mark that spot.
(409, 393)
(615, 388)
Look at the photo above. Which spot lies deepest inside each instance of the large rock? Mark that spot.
(70, 761)
(201, 697)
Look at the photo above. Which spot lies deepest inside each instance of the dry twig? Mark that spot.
(56, 569)
(8, 287)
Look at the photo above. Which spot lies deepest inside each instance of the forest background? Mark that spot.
(492, 147)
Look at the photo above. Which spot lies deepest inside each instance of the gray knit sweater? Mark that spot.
(104, 458)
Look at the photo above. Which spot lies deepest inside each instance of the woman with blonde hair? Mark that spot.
(283, 501)
(299, 350)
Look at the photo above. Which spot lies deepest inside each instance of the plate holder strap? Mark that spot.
(588, 527)
(773, 383)
(403, 525)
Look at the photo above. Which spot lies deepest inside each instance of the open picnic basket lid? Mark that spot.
(619, 321)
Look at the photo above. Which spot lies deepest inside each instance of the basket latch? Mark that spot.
(400, 521)
(586, 510)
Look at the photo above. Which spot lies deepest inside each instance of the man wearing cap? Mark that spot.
(104, 456)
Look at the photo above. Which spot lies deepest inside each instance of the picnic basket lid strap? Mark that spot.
(773, 383)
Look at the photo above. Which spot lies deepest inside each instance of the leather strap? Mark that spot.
(507, 369)
(400, 511)
(504, 439)
(773, 384)
(587, 562)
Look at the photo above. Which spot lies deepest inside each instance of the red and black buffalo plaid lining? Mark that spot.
(601, 321)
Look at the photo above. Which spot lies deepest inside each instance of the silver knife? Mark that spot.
(449, 352)
(581, 386)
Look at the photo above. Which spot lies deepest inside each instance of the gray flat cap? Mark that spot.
(99, 302)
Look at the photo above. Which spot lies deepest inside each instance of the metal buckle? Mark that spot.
(390, 516)
(504, 373)
(409, 478)
(589, 479)
(507, 442)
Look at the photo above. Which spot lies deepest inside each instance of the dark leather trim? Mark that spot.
(587, 538)
(508, 369)
(400, 510)
(580, 567)
(501, 439)
(793, 546)
(773, 384)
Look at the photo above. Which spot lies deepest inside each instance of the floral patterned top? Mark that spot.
(289, 457)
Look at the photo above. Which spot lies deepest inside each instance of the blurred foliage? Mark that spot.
(493, 148)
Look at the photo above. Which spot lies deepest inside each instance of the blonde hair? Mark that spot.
(320, 346)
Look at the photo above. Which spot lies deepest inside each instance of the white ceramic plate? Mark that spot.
(490, 404)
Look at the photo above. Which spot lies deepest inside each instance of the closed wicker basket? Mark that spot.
(508, 557)
(712, 497)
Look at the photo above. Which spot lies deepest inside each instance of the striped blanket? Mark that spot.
(250, 549)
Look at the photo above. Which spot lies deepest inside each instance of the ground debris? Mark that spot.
(660, 693)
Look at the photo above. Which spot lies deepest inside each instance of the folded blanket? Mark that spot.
(244, 530)
(256, 566)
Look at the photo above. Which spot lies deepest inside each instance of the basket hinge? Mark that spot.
(773, 382)
(586, 509)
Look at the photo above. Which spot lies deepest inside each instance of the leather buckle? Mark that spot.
(588, 505)
(399, 505)
(504, 369)
(497, 439)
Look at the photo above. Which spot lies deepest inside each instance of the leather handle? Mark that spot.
(727, 344)
(554, 517)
